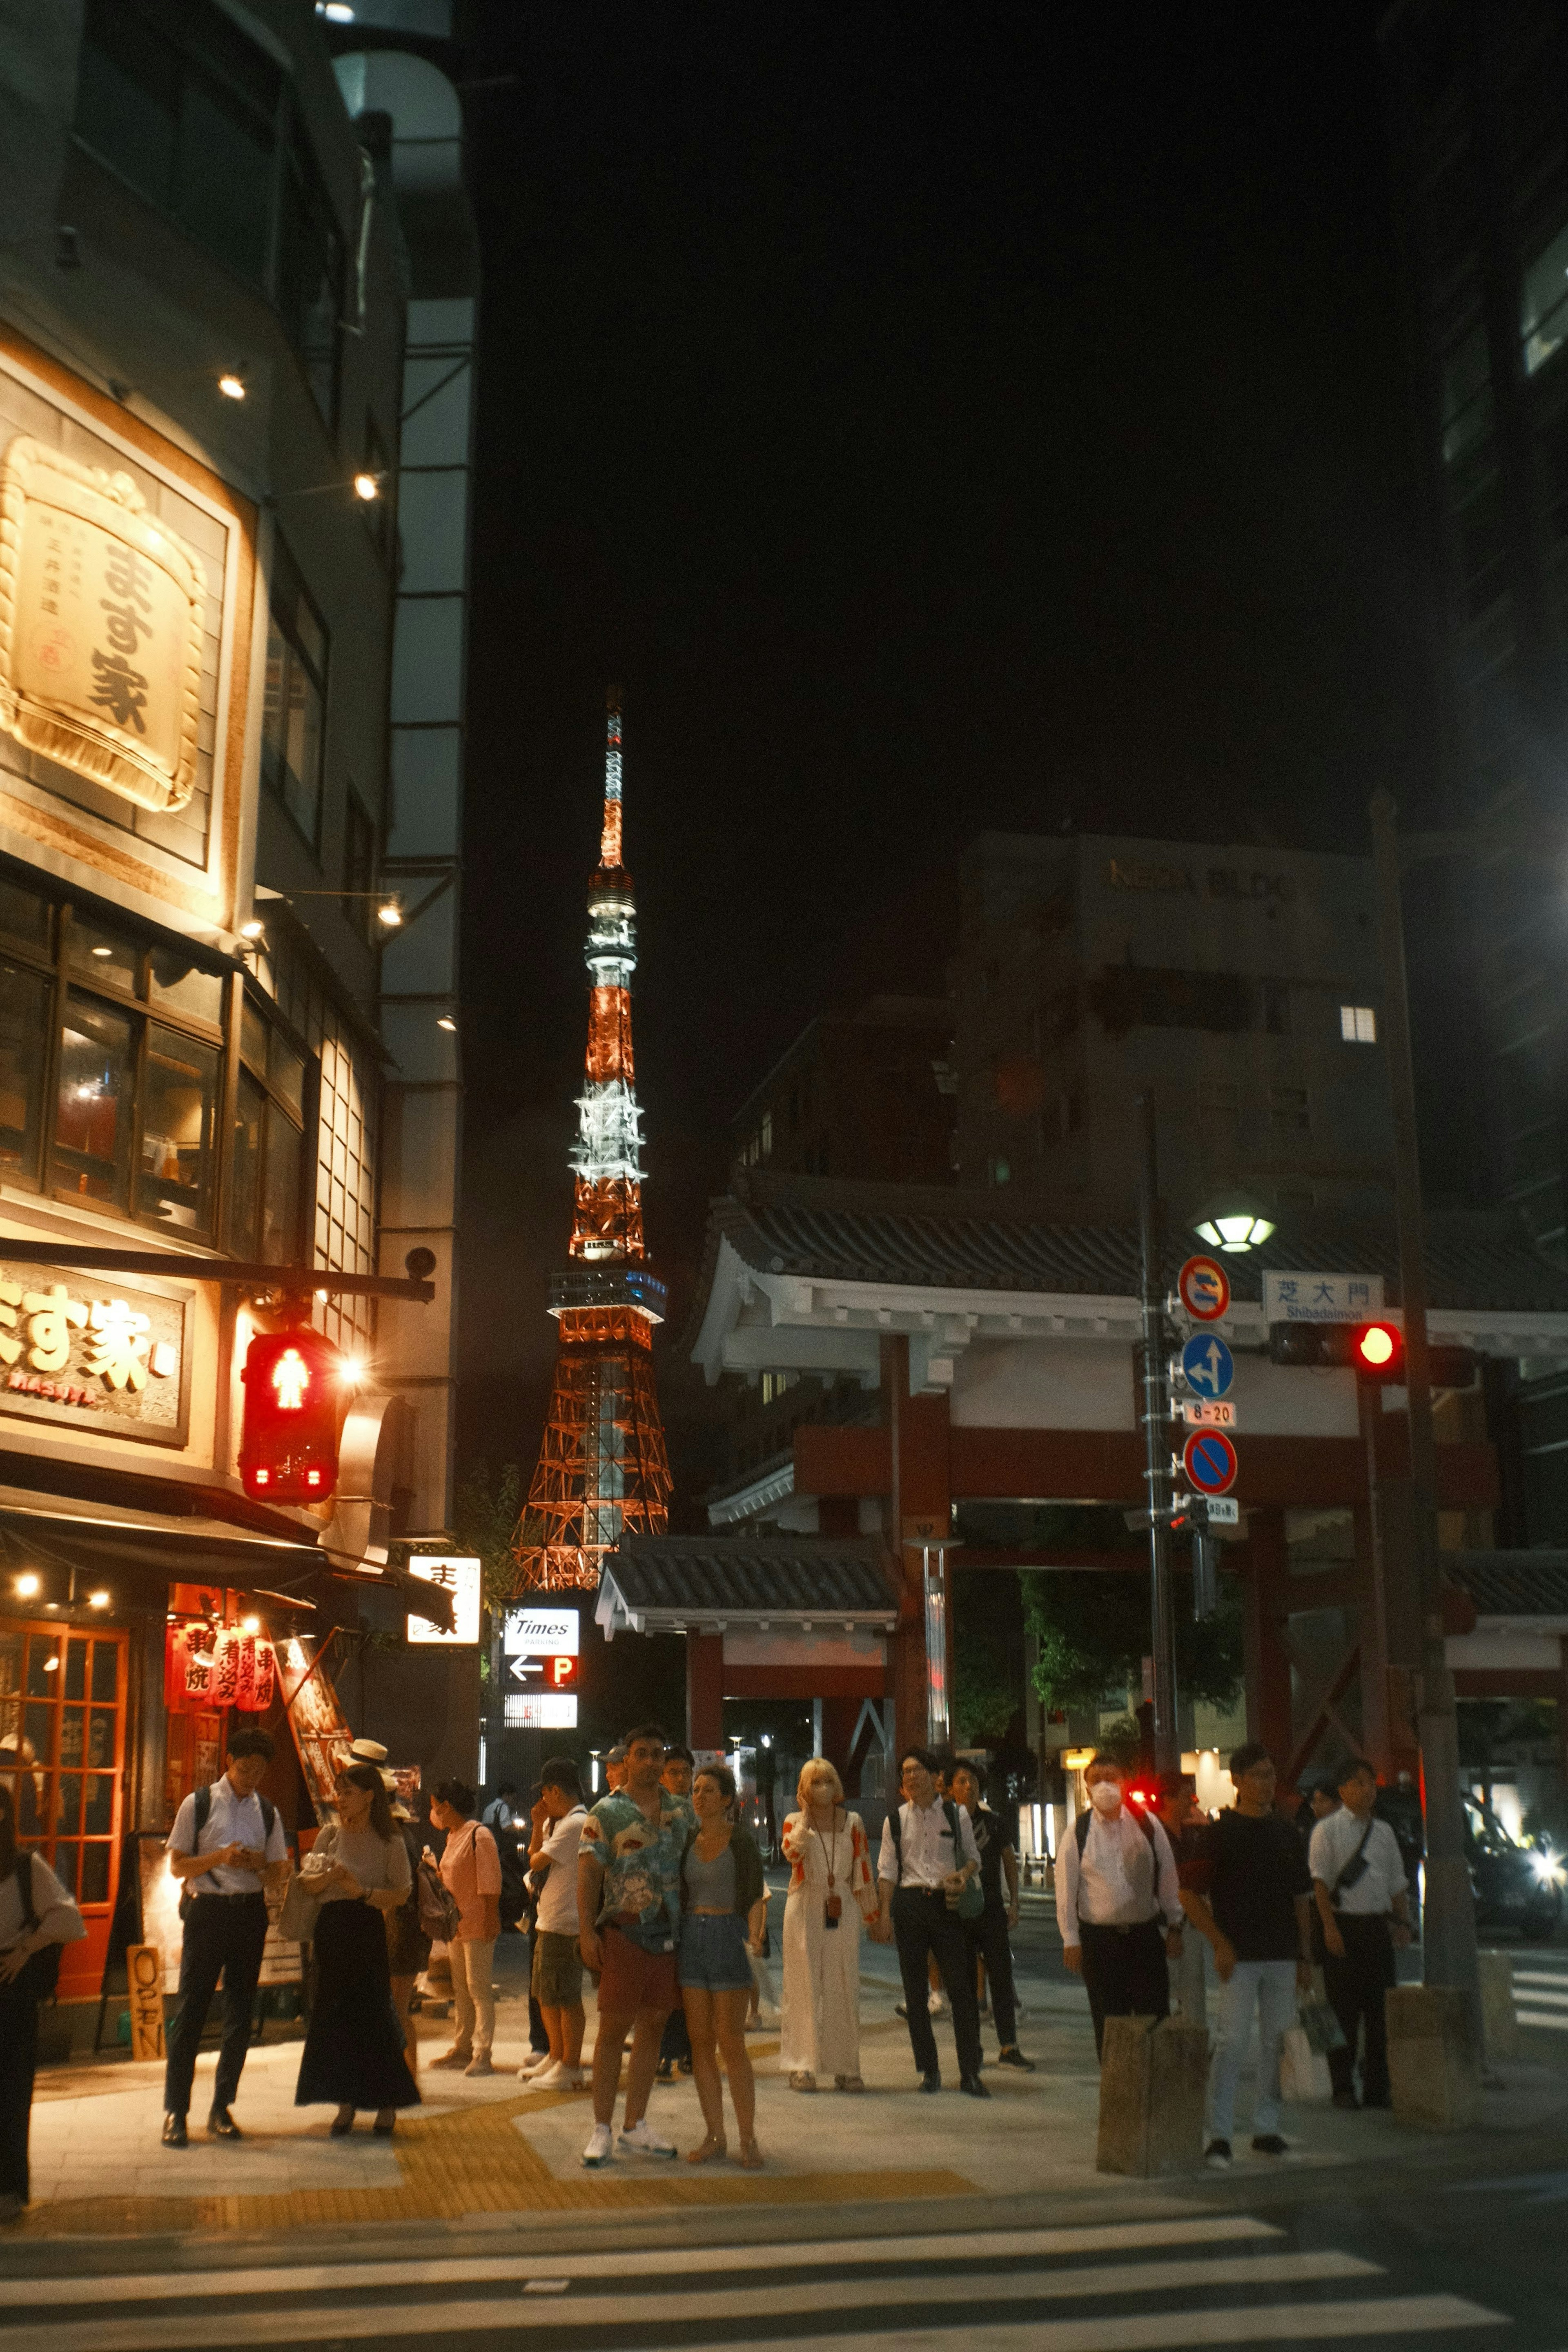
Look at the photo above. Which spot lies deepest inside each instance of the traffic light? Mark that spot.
(293, 1403)
(1373, 1350)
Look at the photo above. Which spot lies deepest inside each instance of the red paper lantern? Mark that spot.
(293, 1396)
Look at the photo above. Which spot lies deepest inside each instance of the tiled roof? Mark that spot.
(915, 1236)
(779, 1577)
(1512, 1583)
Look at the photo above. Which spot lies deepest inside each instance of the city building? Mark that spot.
(867, 1093)
(230, 681)
(1475, 105)
(1240, 984)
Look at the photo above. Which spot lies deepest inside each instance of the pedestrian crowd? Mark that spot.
(658, 1890)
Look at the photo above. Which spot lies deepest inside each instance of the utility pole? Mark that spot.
(1448, 1917)
(1156, 1417)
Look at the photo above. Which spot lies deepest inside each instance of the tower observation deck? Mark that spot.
(603, 1468)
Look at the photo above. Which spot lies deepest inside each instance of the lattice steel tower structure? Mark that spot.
(603, 1466)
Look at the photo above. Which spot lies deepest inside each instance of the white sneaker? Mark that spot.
(643, 2141)
(553, 2078)
(597, 2151)
(935, 2003)
(539, 2063)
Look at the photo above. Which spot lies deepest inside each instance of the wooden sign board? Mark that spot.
(145, 1978)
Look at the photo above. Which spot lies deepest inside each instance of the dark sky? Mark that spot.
(937, 417)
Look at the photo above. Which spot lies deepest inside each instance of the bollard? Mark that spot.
(1498, 2023)
(1152, 2083)
(1434, 2065)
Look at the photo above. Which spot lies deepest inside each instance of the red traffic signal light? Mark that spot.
(293, 1400)
(1378, 1351)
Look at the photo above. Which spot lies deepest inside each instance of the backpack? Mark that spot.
(439, 1918)
(42, 1973)
(1080, 1830)
(971, 1901)
(204, 1803)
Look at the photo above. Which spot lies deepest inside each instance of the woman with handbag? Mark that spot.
(725, 1901)
(36, 1917)
(830, 1897)
(356, 1874)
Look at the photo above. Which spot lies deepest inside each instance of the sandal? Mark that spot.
(802, 2081)
(709, 2149)
(343, 2123)
(848, 2083)
(751, 2156)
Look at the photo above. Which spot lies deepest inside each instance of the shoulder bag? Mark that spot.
(42, 1973)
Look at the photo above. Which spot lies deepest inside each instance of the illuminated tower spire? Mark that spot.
(601, 1466)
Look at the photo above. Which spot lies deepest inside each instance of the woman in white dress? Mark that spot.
(831, 1893)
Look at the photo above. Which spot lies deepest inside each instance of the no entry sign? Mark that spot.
(1203, 1289)
(1208, 1457)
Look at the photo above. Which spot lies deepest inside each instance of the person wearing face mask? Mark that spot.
(1117, 1904)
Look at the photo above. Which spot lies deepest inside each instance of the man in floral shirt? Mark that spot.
(628, 1901)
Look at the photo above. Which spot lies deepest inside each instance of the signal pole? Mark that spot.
(1156, 1418)
(1448, 1913)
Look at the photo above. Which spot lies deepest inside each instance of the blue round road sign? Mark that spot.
(1208, 1458)
(1207, 1365)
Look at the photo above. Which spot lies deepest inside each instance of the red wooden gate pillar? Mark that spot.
(921, 1498)
(1266, 1601)
(705, 1690)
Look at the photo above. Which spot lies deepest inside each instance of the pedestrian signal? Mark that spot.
(293, 1403)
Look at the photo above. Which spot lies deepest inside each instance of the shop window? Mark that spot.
(179, 1101)
(185, 987)
(94, 1113)
(293, 717)
(23, 1044)
(62, 1758)
(268, 1144)
(1358, 1025)
(1543, 303)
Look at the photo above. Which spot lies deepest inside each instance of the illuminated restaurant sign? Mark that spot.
(82, 1351)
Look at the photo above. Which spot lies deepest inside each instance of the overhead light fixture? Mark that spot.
(51, 1665)
(390, 913)
(231, 383)
(1234, 1224)
(352, 1372)
(250, 1624)
(445, 1021)
(29, 1584)
(251, 931)
(367, 487)
(99, 1599)
(336, 12)
(103, 951)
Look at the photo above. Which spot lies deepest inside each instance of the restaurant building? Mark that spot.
(210, 327)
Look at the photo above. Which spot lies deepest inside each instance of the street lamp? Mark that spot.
(1234, 1224)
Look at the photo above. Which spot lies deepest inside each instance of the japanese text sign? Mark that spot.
(1321, 1297)
(101, 613)
(70, 1353)
(458, 1576)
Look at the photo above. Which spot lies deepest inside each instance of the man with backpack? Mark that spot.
(1117, 1904)
(226, 1841)
(928, 1876)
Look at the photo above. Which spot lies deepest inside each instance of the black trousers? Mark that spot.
(223, 1937)
(19, 2062)
(987, 1939)
(1355, 1987)
(1124, 1973)
(922, 1924)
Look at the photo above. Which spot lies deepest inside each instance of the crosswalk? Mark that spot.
(1192, 2277)
(1541, 1989)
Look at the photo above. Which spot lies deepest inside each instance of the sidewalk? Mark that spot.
(489, 2148)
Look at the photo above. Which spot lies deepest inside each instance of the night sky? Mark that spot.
(937, 418)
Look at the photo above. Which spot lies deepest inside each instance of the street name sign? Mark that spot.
(1321, 1297)
(1208, 1367)
(1203, 1289)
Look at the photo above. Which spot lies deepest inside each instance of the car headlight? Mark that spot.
(1548, 1869)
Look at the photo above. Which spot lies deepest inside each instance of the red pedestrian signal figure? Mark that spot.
(293, 1404)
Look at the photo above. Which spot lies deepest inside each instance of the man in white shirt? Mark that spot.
(227, 1840)
(557, 1982)
(929, 1855)
(1363, 1908)
(1118, 1902)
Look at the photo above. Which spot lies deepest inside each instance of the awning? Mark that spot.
(102, 1535)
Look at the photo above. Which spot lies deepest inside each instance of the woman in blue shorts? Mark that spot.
(724, 1903)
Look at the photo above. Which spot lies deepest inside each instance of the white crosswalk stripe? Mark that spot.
(1540, 1992)
(1172, 2279)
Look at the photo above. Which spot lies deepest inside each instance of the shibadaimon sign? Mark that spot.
(76, 1350)
(100, 628)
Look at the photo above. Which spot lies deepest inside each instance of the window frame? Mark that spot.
(275, 1106)
(287, 576)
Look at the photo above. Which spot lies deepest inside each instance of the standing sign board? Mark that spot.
(1321, 1297)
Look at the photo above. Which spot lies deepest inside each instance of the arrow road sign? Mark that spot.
(1208, 1367)
(1208, 1458)
(523, 1667)
(1203, 1289)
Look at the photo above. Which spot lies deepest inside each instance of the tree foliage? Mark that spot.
(486, 1515)
(1093, 1630)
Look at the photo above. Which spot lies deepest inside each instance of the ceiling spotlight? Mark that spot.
(231, 383)
(103, 951)
(251, 931)
(367, 487)
(29, 1584)
(51, 1665)
(390, 913)
(99, 1599)
(352, 1372)
(445, 1021)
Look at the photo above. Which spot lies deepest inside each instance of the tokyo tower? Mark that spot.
(602, 1467)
